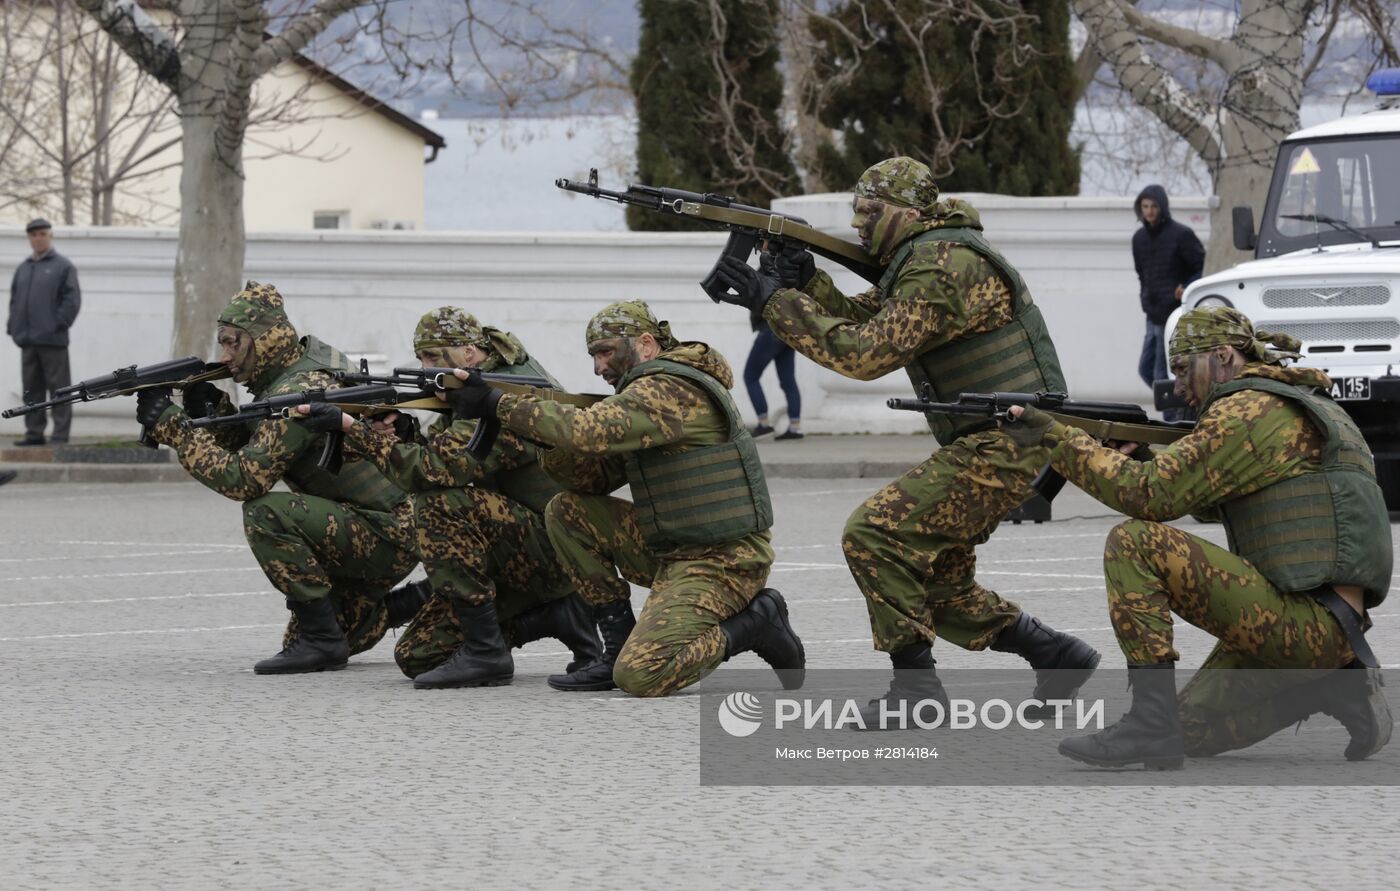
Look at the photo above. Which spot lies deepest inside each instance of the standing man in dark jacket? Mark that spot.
(1168, 256)
(44, 300)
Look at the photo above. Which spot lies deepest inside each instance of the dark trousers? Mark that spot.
(768, 348)
(44, 369)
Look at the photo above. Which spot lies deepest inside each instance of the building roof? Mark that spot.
(321, 73)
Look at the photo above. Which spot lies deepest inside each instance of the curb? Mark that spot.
(97, 473)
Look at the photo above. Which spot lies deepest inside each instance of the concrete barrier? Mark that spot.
(364, 292)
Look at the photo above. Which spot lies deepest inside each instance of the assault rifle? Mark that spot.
(747, 226)
(1109, 422)
(176, 373)
(348, 399)
(430, 380)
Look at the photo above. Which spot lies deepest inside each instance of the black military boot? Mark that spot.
(615, 623)
(1148, 734)
(483, 659)
(1353, 696)
(1062, 662)
(915, 680)
(568, 621)
(320, 644)
(404, 602)
(763, 627)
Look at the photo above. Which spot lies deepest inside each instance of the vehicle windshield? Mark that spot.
(1354, 180)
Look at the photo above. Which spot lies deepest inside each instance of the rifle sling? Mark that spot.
(778, 225)
(1120, 431)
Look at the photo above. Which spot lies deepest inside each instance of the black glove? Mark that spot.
(405, 426)
(751, 288)
(794, 266)
(323, 418)
(474, 399)
(1030, 429)
(151, 404)
(202, 398)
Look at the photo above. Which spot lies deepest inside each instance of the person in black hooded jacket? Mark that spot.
(1168, 256)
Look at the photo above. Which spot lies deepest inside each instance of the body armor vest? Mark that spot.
(707, 495)
(1017, 357)
(1322, 527)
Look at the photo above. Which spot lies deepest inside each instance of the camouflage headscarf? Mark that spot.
(628, 318)
(1207, 327)
(451, 326)
(256, 309)
(900, 181)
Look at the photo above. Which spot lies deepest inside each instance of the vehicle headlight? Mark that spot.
(1214, 300)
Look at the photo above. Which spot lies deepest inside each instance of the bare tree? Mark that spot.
(1234, 121)
(80, 125)
(209, 55)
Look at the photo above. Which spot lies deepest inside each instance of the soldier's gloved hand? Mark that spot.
(751, 287)
(474, 399)
(794, 266)
(202, 398)
(400, 424)
(1028, 427)
(321, 417)
(151, 404)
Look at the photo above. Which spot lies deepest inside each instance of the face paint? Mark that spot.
(1197, 373)
(881, 226)
(613, 358)
(236, 352)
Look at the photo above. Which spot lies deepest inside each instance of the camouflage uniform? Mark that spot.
(677, 639)
(347, 536)
(480, 537)
(1244, 442)
(910, 546)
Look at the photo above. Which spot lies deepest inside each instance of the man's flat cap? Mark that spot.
(39, 223)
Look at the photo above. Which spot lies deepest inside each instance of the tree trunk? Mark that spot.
(209, 262)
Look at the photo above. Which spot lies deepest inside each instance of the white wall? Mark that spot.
(364, 292)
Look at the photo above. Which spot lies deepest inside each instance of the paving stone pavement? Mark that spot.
(141, 751)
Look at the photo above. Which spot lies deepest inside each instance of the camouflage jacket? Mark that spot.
(945, 292)
(1241, 444)
(654, 411)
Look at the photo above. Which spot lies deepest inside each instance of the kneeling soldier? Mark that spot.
(1289, 475)
(337, 542)
(494, 579)
(696, 531)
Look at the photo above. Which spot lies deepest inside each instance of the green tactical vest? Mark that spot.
(529, 484)
(358, 483)
(1017, 357)
(707, 495)
(1328, 526)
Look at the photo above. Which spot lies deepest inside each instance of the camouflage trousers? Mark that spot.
(312, 547)
(677, 640)
(1154, 570)
(910, 546)
(476, 546)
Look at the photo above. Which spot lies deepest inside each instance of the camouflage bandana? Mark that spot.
(1206, 327)
(628, 318)
(448, 326)
(903, 182)
(256, 309)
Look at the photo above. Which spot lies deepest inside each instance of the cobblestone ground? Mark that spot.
(141, 751)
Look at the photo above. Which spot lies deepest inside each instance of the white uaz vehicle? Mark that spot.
(1327, 265)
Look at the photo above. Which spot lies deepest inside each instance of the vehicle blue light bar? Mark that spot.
(1385, 82)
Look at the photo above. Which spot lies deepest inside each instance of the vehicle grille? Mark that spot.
(1341, 330)
(1300, 298)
